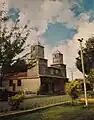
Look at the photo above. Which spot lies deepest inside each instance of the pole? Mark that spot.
(83, 70)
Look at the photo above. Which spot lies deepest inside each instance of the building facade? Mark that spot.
(40, 77)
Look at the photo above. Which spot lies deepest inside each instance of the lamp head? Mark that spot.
(80, 40)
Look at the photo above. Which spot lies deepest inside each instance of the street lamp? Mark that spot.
(83, 70)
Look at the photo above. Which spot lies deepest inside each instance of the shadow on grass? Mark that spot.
(28, 116)
(87, 117)
(67, 111)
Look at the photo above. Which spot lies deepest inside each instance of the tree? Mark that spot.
(21, 64)
(90, 77)
(12, 44)
(73, 88)
(88, 54)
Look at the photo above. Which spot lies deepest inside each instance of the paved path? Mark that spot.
(4, 105)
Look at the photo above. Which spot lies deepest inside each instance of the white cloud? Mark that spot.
(85, 30)
(3, 5)
(42, 12)
(70, 50)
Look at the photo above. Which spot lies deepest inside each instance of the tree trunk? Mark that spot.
(93, 88)
(72, 101)
(1, 79)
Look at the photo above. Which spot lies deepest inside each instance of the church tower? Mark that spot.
(37, 50)
(58, 62)
(57, 57)
(37, 53)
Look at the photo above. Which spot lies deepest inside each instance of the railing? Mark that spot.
(43, 101)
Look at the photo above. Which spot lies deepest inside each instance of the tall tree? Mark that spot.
(88, 54)
(90, 77)
(12, 44)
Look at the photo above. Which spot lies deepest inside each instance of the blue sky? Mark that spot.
(83, 6)
(57, 32)
(13, 13)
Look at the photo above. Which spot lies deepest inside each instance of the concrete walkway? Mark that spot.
(4, 106)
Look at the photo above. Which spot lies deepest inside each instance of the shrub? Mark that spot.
(15, 101)
(73, 88)
(91, 94)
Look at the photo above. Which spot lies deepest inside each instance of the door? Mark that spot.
(14, 87)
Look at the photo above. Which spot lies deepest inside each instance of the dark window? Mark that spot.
(55, 55)
(33, 48)
(10, 82)
(57, 72)
(51, 72)
(19, 83)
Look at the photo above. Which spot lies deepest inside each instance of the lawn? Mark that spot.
(63, 112)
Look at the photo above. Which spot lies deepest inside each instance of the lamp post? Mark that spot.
(83, 70)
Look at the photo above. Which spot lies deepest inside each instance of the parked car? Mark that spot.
(4, 94)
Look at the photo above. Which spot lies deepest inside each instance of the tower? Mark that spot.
(37, 53)
(57, 57)
(37, 50)
(58, 62)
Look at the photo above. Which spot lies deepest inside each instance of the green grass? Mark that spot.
(63, 112)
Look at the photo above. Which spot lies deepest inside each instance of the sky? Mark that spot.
(57, 24)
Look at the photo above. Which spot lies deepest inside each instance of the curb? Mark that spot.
(18, 113)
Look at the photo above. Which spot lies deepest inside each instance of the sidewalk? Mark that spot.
(4, 106)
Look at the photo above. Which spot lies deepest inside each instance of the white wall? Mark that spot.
(10, 88)
(31, 84)
(26, 85)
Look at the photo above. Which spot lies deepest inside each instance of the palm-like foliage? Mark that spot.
(73, 88)
(88, 54)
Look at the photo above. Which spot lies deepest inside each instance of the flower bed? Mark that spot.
(90, 100)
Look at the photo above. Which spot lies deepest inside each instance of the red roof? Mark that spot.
(24, 74)
(16, 75)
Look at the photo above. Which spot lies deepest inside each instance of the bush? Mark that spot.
(15, 101)
(91, 94)
(73, 88)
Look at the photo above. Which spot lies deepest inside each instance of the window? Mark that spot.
(57, 72)
(51, 72)
(55, 55)
(19, 83)
(10, 82)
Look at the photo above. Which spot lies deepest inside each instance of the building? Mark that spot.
(40, 77)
